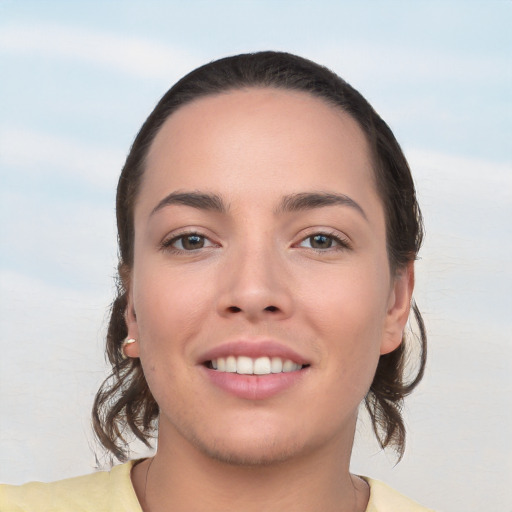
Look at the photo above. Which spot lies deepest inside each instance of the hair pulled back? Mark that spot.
(124, 405)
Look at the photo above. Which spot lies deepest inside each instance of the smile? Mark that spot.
(245, 365)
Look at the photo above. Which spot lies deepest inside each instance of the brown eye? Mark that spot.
(187, 243)
(191, 242)
(320, 241)
(324, 242)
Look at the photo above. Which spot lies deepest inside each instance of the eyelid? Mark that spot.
(170, 239)
(343, 242)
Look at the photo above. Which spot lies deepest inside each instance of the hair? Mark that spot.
(124, 401)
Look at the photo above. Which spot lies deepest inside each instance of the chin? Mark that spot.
(256, 453)
(253, 438)
(243, 444)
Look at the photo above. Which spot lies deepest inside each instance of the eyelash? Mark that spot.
(167, 244)
(342, 243)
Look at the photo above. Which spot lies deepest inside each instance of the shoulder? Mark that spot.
(385, 499)
(104, 491)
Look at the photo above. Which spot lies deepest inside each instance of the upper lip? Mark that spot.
(253, 349)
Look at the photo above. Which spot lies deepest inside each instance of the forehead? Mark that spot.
(280, 138)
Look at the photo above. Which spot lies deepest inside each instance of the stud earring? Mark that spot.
(126, 342)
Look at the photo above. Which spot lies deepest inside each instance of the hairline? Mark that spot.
(373, 158)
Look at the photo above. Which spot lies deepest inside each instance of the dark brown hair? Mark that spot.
(124, 405)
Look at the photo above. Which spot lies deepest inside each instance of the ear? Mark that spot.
(399, 306)
(130, 317)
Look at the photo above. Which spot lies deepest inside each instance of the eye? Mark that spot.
(324, 241)
(187, 242)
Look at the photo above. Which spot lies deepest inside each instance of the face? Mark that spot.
(260, 294)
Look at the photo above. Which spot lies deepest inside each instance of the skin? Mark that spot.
(257, 277)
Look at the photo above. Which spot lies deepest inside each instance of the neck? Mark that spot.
(180, 477)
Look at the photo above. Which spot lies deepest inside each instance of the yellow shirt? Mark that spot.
(112, 491)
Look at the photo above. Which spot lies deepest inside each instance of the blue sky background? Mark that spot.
(78, 79)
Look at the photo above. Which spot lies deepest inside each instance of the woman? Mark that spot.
(268, 228)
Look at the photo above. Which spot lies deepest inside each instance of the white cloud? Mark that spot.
(136, 56)
(60, 240)
(35, 152)
(25, 297)
(464, 273)
(457, 176)
(51, 366)
(365, 61)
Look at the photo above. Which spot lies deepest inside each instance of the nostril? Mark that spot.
(236, 309)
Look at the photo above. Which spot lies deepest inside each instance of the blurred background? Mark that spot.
(79, 78)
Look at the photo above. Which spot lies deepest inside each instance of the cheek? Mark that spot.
(170, 308)
(352, 300)
(347, 315)
(170, 313)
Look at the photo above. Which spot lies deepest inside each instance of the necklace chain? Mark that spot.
(146, 507)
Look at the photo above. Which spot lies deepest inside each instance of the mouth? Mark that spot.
(245, 365)
(254, 370)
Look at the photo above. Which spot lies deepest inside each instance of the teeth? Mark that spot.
(260, 366)
(277, 365)
(289, 366)
(244, 365)
(231, 364)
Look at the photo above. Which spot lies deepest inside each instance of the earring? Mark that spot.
(126, 342)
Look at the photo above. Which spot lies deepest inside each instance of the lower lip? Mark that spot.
(254, 387)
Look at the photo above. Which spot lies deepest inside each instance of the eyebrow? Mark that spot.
(290, 203)
(199, 200)
(311, 200)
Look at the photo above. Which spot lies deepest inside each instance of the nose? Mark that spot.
(255, 285)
